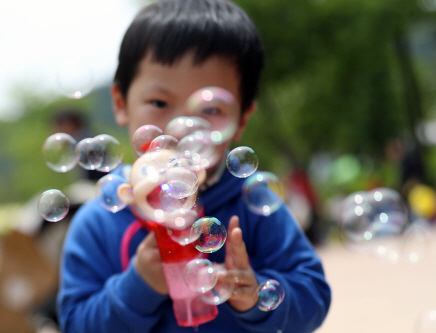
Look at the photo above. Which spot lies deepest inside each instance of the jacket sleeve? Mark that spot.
(94, 296)
(279, 250)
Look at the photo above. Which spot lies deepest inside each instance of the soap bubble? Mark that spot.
(59, 152)
(161, 143)
(198, 148)
(183, 126)
(426, 322)
(105, 151)
(198, 277)
(223, 288)
(107, 196)
(211, 234)
(82, 155)
(270, 294)
(182, 182)
(242, 162)
(179, 225)
(75, 78)
(53, 205)
(170, 203)
(373, 222)
(143, 136)
(219, 107)
(263, 193)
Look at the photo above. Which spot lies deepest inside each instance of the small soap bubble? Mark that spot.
(75, 78)
(242, 162)
(270, 294)
(82, 155)
(179, 225)
(219, 107)
(183, 126)
(199, 148)
(263, 193)
(143, 137)
(53, 205)
(107, 196)
(211, 234)
(170, 203)
(105, 151)
(160, 144)
(426, 322)
(182, 182)
(197, 276)
(223, 288)
(59, 152)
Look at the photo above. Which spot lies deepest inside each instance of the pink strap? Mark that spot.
(131, 230)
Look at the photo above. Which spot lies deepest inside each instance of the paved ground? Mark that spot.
(373, 295)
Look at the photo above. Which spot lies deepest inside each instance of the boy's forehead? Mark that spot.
(186, 72)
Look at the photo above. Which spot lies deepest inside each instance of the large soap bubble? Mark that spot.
(75, 78)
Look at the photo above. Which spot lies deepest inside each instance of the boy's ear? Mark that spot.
(119, 106)
(124, 192)
(244, 121)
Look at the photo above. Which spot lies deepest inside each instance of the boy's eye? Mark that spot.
(159, 104)
(210, 111)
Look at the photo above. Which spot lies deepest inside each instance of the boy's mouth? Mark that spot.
(153, 198)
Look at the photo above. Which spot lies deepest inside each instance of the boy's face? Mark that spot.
(158, 92)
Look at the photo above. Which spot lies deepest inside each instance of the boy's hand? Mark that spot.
(239, 270)
(148, 263)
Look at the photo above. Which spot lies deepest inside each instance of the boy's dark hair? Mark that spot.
(170, 28)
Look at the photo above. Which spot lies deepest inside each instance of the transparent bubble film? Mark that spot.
(75, 78)
(242, 162)
(107, 196)
(219, 107)
(53, 205)
(59, 153)
(373, 221)
(106, 152)
(270, 294)
(263, 193)
(143, 136)
(211, 234)
(198, 275)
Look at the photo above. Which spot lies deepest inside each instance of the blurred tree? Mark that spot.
(339, 77)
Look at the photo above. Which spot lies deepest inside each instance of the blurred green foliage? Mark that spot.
(340, 77)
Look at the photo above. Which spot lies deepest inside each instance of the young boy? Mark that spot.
(172, 49)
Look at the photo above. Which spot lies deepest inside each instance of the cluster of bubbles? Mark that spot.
(215, 286)
(62, 153)
(180, 153)
(378, 222)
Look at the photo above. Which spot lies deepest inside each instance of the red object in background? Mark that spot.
(299, 182)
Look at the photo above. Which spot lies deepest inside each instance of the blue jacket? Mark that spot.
(97, 296)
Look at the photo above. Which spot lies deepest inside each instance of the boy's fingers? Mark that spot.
(241, 277)
(236, 250)
(244, 293)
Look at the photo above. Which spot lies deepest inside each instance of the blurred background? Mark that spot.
(348, 103)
